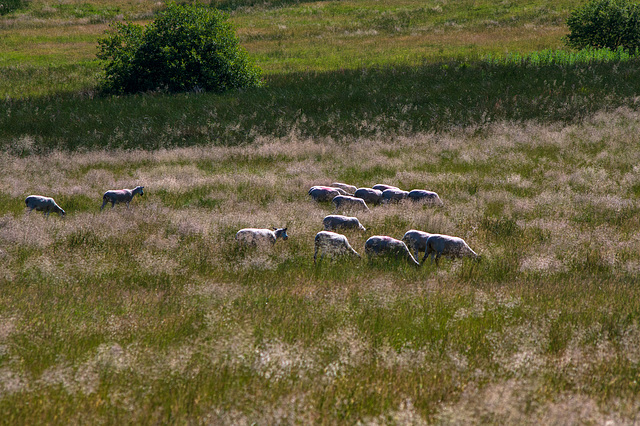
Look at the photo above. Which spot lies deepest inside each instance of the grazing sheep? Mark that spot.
(416, 241)
(369, 195)
(349, 189)
(325, 193)
(43, 204)
(335, 222)
(394, 195)
(382, 187)
(115, 196)
(445, 245)
(332, 244)
(383, 245)
(256, 236)
(347, 202)
(422, 195)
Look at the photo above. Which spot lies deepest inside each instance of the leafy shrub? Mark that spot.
(605, 24)
(7, 6)
(187, 47)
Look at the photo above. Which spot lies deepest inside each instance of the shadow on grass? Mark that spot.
(342, 105)
(231, 5)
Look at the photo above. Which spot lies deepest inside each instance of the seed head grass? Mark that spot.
(154, 313)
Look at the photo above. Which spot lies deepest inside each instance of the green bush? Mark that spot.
(186, 48)
(605, 24)
(7, 6)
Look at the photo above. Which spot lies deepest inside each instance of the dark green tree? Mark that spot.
(7, 6)
(605, 24)
(186, 48)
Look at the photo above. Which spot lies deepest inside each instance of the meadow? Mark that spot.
(153, 314)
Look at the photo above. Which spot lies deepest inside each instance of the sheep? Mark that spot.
(382, 187)
(445, 245)
(335, 221)
(115, 196)
(383, 245)
(393, 195)
(325, 193)
(369, 195)
(43, 204)
(255, 236)
(347, 202)
(349, 189)
(422, 195)
(416, 241)
(332, 244)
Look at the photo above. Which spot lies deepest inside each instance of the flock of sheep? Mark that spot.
(349, 198)
(328, 242)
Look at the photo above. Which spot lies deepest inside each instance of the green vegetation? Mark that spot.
(153, 314)
(112, 315)
(185, 48)
(8, 6)
(605, 24)
(550, 57)
(343, 105)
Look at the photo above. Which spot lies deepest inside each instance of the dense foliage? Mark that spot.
(7, 6)
(605, 24)
(186, 48)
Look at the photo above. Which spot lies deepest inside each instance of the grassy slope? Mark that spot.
(152, 314)
(318, 36)
(327, 74)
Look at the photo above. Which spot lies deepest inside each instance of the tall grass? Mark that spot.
(343, 105)
(562, 57)
(153, 314)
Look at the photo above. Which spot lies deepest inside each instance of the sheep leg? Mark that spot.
(104, 203)
(426, 254)
(113, 203)
(315, 254)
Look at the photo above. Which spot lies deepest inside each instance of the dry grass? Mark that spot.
(153, 314)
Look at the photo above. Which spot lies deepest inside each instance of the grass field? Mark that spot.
(153, 314)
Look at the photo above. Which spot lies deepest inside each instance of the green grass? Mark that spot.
(341, 104)
(153, 313)
(115, 314)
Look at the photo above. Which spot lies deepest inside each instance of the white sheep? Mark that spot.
(347, 202)
(422, 195)
(387, 246)
(332, 244)
(394, 195)
(382, 187)
(43, 204)
(335, 222)
(349, 189)
(115, 196)
(445, 245)
(257, 236)
(369, 195)
(325, 193)
(416, 241)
